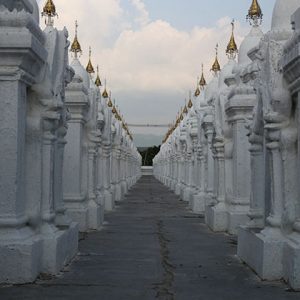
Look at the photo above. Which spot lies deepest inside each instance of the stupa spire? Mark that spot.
(202, 82)
(216, 66)
(98, 82)
(105, 94)
(89, 67)
(197, 91)
(49, 11)
(109, 103)
(185, 109)
(190, 103)
(232, 49)
(75, 47)
(114, 110)
(255, 14)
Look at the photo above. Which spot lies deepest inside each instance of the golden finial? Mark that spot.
(49, 11)
(98, 80)
(118, 116)
(216, 66)
(197, 91)
(109, 103)
(255, 14)
(180, 117)
(75, 47)
(89, 67)
(185, 110)
(190, 103)
(114, 111)
(105, 94)
(232, 49)
(202, 82)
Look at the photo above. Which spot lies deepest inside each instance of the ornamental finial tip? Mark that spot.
(49, 11)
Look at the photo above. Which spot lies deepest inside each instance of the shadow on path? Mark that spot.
(151, 248)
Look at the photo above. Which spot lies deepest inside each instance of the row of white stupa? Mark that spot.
(66, 155)
(234, 155)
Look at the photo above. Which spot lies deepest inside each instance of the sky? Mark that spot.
(151, 51)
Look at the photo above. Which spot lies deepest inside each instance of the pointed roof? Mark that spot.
(89, 67)
(197, 91)
(232, 49)
(105, 94)
(49, 9)
(202, 82)
(255, 13)
(216, 66)
(75, 47)
(109, 103)
(190, 103)
(185, 110)
(98, 80)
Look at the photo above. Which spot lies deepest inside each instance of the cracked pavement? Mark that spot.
(153, 247)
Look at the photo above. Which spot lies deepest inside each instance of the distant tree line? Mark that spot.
(148, 154)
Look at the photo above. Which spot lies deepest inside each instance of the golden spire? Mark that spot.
(202, 82)
(255, 14)
(185, 110)
(190, 103)
(89, 67)
(75, 47)
(216, 66)
(177, 121)
(49, 11)
(181, 117)
(109, 103)
(118, 116)
(98, 80)
(114, 111)
(105, 94)
(197, 91)
(232, 49)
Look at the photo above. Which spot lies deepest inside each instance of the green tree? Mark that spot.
(148, 155)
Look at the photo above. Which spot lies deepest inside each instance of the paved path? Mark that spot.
(153, 248)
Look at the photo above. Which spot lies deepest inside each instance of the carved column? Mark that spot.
(109, 205)
(22, 56)
(276, 172)
(61, 219)
(76, 154)
(238, 108)
(257, 203)
(208, 128)
(220, 158)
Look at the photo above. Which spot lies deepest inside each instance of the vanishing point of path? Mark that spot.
(151, 248)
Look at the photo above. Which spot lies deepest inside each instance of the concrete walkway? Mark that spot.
(151, 248)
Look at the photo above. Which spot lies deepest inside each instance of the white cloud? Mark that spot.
(98, 19)
(161, 57)
(143, 17)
